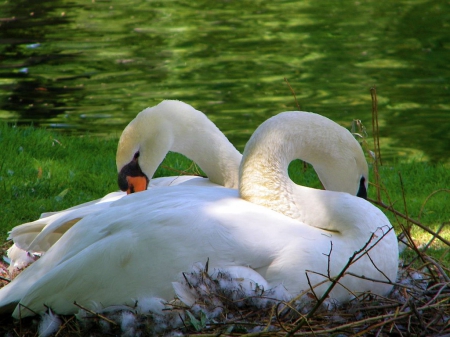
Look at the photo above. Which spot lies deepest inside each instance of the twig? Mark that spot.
(383, 323)
(182, 172)
(441, 227)
(5, 279)
(293, 93)
(434, 263)
(278, 316)
(379, 281)
(417, 250)
(95, 314)
(415, 222)
(413, 307)
(334, 281)
(329, 259)
(428, 197)
(63, 326)
(380, 307)
(327, 279)
(438, 293)
(379, 270)
(376, 139)
(408, 227)
(393, 317)
(24, 306)
(310, 285)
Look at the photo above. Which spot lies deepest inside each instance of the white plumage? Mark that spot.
(142, 242)
(338, 160)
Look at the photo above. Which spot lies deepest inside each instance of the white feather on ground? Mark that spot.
(199, 293)
(49, 324)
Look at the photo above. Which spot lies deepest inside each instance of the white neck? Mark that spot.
(178, 127)
(330, 148)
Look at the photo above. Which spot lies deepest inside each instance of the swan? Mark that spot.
(176, 126)
(277, 229)
(169, 126)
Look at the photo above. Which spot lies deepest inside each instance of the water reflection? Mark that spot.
(92, 66)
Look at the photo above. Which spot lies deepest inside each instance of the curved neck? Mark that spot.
(178, 127)
(331, 149)
(263, 172)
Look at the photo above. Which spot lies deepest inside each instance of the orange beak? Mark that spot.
(136, 184)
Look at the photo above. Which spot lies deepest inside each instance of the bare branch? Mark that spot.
(293, 93)
(417, 223)
(95, 314)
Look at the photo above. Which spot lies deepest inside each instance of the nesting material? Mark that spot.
(213, 302)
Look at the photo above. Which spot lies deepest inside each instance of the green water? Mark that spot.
(92, 65)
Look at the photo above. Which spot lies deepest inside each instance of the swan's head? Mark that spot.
(345, 169)
(362, 191)
(335, 154)
(331, 149)
(137, 156)
(144, 143)
(131, 178)
(174, 126)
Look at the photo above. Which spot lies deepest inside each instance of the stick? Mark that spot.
(408, 227)
(427, 198)
(95, 314)
(5, 279)
(330, 288)
(376, 140)
(415, 222)
(441, 227)
(293, 93)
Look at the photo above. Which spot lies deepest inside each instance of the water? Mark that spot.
(80, 66)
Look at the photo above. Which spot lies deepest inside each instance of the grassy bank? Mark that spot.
(41, 171)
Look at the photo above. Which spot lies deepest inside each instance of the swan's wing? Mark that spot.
(142, 244)
(38, 236)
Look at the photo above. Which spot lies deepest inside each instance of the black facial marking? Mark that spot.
(122, 181)
(362, 191)
(132, 169)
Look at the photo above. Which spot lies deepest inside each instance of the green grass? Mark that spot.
(41, 171)
(420, 191)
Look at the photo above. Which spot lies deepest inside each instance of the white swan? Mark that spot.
(137, 247)
(177, 126)
(169, 126)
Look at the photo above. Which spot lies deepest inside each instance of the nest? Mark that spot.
(419, 305)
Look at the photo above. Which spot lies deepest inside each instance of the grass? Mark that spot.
(41, 171)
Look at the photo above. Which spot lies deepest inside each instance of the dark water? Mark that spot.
(92, 65)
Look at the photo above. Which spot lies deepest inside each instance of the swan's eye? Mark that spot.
(362, 191)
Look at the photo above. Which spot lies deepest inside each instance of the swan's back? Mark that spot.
(171, 229)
